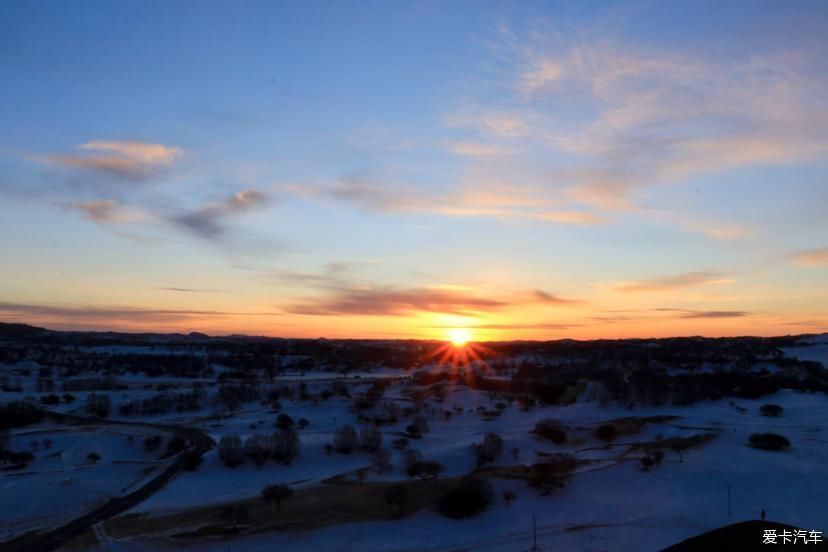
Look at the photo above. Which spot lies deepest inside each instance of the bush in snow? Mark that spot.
(410, 457)
(283, 421)
(381, 460)
(552, 473)
(230, 451)
(425, 470)
(418, 427)
(550, 429)
(345, 440)
(772, 410)
(285, 445)
(98, 405)
(175, 445)
(471, 496)
(370, 439)
(257, 447)
(769, 441)
(489, 449)
(606, 433)
(191, 460)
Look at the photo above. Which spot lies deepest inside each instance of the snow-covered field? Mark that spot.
(610, 504)
(63, 480)
(614, 508)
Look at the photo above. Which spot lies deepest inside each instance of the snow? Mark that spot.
(623, 508)
(62, 481)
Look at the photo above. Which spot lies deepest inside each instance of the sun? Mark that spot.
(459, 336)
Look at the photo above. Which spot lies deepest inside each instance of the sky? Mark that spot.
(521, 170)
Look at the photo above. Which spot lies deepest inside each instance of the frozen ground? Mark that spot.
(62, 481)
(609, 505)
(618, 508)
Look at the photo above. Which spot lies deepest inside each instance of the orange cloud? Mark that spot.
(677, 281)
(134, 160)
(811, 257)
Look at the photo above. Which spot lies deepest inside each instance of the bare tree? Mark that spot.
(276, 493)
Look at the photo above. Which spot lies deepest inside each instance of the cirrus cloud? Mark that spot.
(131, 160)
(810, 257)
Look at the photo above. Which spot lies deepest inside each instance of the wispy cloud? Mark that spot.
(492, 202)
(399, 302)
(105, 211)
(628, 117)
(673, 282)
(457, 300)
(550, 298)
(209, 222)
(186, 290)
(810, 257)
(526, 326)
(713, 314)
(70, 313)
(132, 160)
(479, 149)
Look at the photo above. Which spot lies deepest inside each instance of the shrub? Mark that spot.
(470, 497)
(606, 433)
(345, 440)
(400, 444)
(283, 421)
(258, 448)
(276, 493)
(425, 470)
(98, 405)
(18, 459)
(18, 414)
(176, 445)
(552, 473)
(410, 457)
(285, 445)
(370, 439)
(772, 410)
(381, 460)
(769, 441)
(93, 457)
(489, 449)
(230, 451)
(191, 460)
(508, 496)
(418, 427)
(550, 429)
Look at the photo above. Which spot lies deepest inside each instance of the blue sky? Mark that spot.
(387, 169)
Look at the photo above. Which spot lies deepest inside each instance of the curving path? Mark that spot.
(59, 536)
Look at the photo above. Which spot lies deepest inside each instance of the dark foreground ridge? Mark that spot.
(746, 536)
